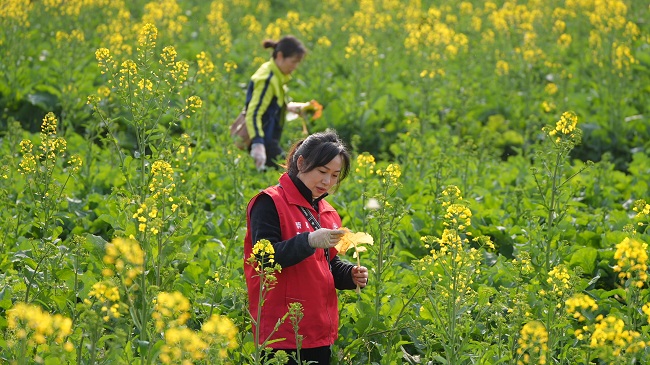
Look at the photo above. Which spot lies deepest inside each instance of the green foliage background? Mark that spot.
(449, 93)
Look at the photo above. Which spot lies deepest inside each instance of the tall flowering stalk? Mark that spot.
(449, 276)
(263, 260)
(383, 219)
(41, 167)
(551, 179)
(147, 88)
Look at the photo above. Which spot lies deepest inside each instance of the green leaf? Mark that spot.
(586, 258)
(192, 273)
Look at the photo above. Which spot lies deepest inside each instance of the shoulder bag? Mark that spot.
(239, 132)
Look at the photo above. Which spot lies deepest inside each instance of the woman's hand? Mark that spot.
(360, 276)
(258, 152)
(296, 107)
(325, 237)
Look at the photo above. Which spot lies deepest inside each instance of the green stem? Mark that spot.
(257, 357)
(144, 309)
(551, 212)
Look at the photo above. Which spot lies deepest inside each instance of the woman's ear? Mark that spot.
(300, 163)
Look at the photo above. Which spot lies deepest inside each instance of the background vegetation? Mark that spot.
(501, 167)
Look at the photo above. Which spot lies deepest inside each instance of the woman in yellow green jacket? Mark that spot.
(266, 100)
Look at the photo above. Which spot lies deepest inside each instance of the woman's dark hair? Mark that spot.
(288, 45)
(318, 150)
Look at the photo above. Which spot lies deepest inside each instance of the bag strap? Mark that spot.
(314, 223)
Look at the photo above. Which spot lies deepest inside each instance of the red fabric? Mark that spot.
(310, 282)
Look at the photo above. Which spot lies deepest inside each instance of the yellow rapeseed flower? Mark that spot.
(632, 261)
(578, 303)
(533, 343)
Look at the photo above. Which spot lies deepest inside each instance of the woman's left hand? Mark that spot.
(296, 107)
(360, 276)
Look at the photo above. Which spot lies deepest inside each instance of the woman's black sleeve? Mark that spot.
(342, 272)
(265, 224)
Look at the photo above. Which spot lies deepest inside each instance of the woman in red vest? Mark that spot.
(303, 229)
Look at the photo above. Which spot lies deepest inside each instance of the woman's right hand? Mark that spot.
(325, 237)
(258, 153)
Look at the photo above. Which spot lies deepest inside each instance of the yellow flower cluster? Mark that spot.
(205, 67)
(632, 261)
(148, 35)
(162, 179)
(168, 55)
(392, 173)
(533, 343)
(502, 68)
(128, 71)
(104, 60)
(192, 104)
(28, 162)
(148, 217)
(178, 72)
(264, 249)
(365, 162)
(609, 333)
(63, 38)
(365, 166)
(51, 145)
(127, 258)
(183, 345)
(565, 127)
(29, 322)
(458, 216)
(646, 311)
(524, 263)
(108, 297)
(324, 42)
(559, 279)
(182, 155)
(166, 13)
(578, 303)
(219, 27)
(229, 66)
(642, 208)
(75, 163)
(16, 10)
(450, 195)
(221, 331)
(170, 310)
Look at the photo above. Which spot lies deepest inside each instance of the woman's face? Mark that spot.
(322, 178)
(288, 64)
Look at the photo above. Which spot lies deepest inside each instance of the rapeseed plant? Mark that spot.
(263, 260)
(448, 276)
(35, 334)
(533, 344)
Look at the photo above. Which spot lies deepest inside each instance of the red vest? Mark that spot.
(309, 282)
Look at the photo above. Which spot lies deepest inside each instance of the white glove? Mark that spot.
(258, 153)
(294, 107)
(325, 238)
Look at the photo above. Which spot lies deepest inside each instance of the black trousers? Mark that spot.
(321, 355)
